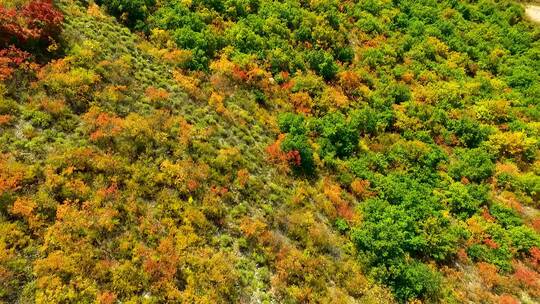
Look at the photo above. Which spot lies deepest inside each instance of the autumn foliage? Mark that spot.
(37, 21)
(10, 59)
(269, 152)
(32, 27)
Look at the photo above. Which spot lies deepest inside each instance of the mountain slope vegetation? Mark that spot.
(260, 151)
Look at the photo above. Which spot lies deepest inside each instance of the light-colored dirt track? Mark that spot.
(533, 12)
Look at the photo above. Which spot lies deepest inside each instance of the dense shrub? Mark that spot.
(292, 123)
(37, 22)
(133, 13)
(323, 63)
(499, 256)
(465, 200)
(298, 143)
(133, 167)
(475, 165)
(398, 93)
(337, 137)
(387, 237)
(418, 281)
(470, 132)
(507, 217)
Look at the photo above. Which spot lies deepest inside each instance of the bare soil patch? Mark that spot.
(533, 12)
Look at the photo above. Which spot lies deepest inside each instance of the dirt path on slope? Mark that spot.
(533, 12)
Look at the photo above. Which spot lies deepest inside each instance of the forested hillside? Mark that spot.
(269, 151)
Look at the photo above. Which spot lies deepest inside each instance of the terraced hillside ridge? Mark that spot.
(261, 151)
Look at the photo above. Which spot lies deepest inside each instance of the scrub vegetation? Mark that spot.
(261, 151)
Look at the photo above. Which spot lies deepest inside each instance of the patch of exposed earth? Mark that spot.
(533, 12)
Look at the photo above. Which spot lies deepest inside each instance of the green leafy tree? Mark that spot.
(470, 132)
(475, 165)
(134, 13)
(297, 141)
(465, 200)
(337, 136)
(323, 63)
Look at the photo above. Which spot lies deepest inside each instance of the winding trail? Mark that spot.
(533, 12)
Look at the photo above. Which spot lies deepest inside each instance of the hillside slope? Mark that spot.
(120, 185)
(269, 152)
